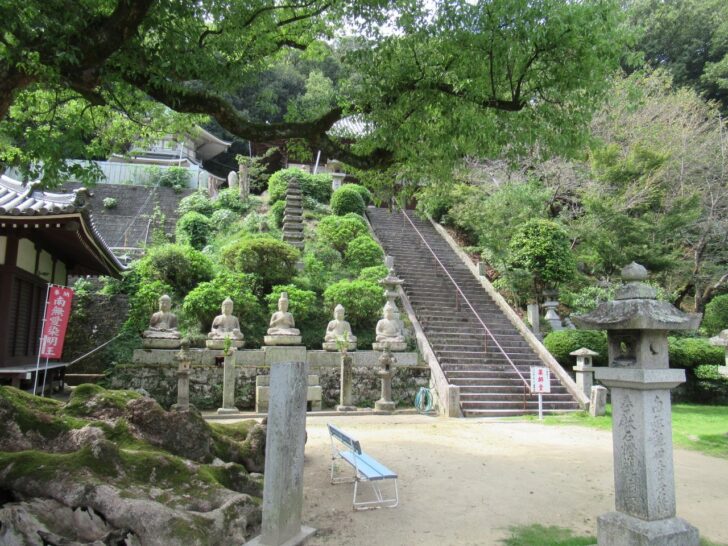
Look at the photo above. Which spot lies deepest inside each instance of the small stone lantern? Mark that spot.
(640, 381)
(386, 363)
(584, 369)
(390, 284)
(721, 340)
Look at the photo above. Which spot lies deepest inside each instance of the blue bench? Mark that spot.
(366, 469)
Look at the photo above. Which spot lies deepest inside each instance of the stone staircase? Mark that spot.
(293, 215)
(489, 385)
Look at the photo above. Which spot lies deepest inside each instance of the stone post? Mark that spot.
(285, 438)
(183, 377)
(228, 383)
(534, 318)
(386, 361)
(584, 369)
(345, 403)
(721, 340)
(598, 401)
(640, 381)
(552, 316)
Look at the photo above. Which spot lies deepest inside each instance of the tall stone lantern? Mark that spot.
(640, 380)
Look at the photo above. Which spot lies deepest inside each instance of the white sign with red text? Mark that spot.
(540, 380)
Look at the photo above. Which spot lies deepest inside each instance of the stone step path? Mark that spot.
(293, 215)
(489, 386)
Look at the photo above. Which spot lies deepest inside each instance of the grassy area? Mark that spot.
(702, 428)
(539, 535)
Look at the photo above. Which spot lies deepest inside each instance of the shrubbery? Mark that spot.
(563, 342)
(363, 302)
(180, 266)
(229, 198)
(143, 302)
(363, 252)
(689, 352)
(366, 195)
(316, 186)
(196, 202)
(270, 260)
(373, 274)
(277, 211)
(193, 229)
(338, 231)
(345, 200)
(222, 220)
(716, 315)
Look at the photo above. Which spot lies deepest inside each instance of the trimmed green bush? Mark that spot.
(196, 202)
(366, 195)
(277, 211)
(563, 342)
(301, 303)
(345, 200)
(193, 229)
(271, 260)
(203, 304)
(715, 318)
(180, 266)
(363, 302)
(363, 252)
(222, 220)
(689, 352)
(373, 274)
(316, 186)
(338, 231)
(229, 198)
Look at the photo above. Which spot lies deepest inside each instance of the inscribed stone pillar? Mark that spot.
(640, 381)
(346, 381)
(283, 482)
(228, 384)
(183, 377)
(534, 318)
(386, 363)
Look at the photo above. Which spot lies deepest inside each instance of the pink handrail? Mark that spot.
(465, 299)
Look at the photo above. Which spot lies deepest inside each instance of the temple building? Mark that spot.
(44, 238)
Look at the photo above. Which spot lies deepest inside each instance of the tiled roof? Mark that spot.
(17, 199)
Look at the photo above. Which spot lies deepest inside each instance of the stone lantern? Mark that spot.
(584, 369)
(721, 340)
(640, 381)
(390, 284)
(385, 372)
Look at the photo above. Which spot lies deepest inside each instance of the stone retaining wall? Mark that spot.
(156, 372)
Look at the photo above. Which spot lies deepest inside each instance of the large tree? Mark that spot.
(78, 78)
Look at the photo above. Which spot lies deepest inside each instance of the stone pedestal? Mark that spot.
(282, 353)
(228, 384)
(283, 482)
(598, 401)
(161, 343)
(385, 403)
(219, 344)
(393, 346)
(183, 378)
(345, 403)
(331, 346)
(282, 340)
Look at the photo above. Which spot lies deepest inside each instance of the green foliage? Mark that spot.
(563, 342)
(193, 229)
(363, 302)
(306, 311)
(196, 202)
(322, 265)
(586, 299)
(316, 186)
(363, 252)
(540, 535)
(169, 177)
(255, 222)
(277, 211)
(715, 318)
(204, 302)
(366, 195)
(143, 302)
(338, 231)
(270, 260)
(346, 200)
(543, 249)
(179, 266)
(109, 203)
(223, 220)
(689, 352)
(708, 385)
(373, 274)
(229, 198)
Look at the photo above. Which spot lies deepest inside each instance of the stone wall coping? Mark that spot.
(541, 351)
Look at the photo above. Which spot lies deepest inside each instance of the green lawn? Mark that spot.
(539, 535)
(702, 428)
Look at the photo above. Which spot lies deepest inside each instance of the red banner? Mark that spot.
(58, 309)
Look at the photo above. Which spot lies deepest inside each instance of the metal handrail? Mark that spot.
(465, 299)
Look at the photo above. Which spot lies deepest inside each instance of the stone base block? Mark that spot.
(617, 529)
(384, 405)
(314, 394)
(304, 534)
(160, 343)
(393, 346)
(282, 340)
(331, 346)
(345, 408)
(598, 401)
(275, 354)
(219, 344)
(227, 411)
(723, 370)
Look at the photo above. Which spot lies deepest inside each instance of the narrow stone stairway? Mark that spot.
(489, 384)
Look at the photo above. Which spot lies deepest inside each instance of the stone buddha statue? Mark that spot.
(162, 332)
(389, 332)
(282, 330)
(338, 331)
(225, 326)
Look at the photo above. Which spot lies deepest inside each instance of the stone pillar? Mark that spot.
(534, 318)
(244, 177)
(228, 383)
(386, 361)
(285, 438)
(583, 369)
(640, 380)
(721, 340)
(183, 377)
(346, 381)
(598, 401)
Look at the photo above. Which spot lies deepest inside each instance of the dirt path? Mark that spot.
(464, 482)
